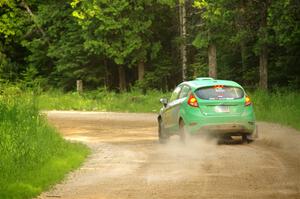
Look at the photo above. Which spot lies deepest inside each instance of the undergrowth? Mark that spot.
(102, 100)
(33, 155)
(280, 107)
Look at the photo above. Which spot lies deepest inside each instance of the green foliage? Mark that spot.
(158, 76)
(12, 19)
(33, 155)
(119, 30)
(61, 54)
(102, 100)
(284, 19)
(201, 41)
(214, 22)
(199, 66)
(280, 106)
(58, 42)
(12, 28)
(241, 28)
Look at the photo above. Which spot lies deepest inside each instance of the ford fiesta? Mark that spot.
(207, 106)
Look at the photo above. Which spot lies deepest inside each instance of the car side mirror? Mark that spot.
(164, 101)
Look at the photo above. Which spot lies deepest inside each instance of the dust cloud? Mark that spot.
(176, 161)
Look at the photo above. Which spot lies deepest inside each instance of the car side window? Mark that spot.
(184, 92)
(175, 94)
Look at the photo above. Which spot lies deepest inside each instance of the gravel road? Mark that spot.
(128, 163)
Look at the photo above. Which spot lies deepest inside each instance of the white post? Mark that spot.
(79, 86)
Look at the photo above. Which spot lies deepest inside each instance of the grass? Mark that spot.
(278, 107)
(102, 100)
(33, 154)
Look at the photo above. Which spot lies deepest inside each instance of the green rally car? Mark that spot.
(207, 106)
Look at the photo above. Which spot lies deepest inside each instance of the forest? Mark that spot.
(149, 44)
(129, 54)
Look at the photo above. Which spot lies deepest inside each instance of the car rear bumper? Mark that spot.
(224, 128)
(234, 128)
(234, 124)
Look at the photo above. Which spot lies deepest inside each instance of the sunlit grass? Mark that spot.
(33, 155)
(102, 100)
(280, 107)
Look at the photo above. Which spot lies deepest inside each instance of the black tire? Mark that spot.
(255, 133)
(182, 132)
(245, 139)
(225, 139)
(162, 137)
(251, 138)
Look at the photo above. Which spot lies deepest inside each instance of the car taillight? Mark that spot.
(218, 86)
(192, 101)
(247, 101)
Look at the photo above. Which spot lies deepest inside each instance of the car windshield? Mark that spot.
(219, 92)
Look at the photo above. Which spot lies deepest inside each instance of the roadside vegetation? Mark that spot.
(278, 106)
(33, 155)
(102, 100)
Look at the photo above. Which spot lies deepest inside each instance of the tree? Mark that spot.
(13, 23)
(263, 42)
(284, 51)
(125, 43)
(117, 30)
(183, 35)
(211, 31)
(56, 52)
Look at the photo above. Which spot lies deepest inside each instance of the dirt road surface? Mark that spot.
(128, 162)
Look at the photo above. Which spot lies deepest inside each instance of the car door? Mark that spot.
(171, 109)
(183, 95)
(176, 105)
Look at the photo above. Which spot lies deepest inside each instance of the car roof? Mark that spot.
(207, 81)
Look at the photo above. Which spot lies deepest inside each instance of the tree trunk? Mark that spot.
(263, 68)
(241, 26)
(182, 19)
(263, 56)
(212, 60)
(106, 78)
(79, 86)
(244, 56)
(141, 70)
(122, 78)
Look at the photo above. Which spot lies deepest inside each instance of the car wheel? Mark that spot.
(225, 139)
(255, 133)
(252, 137)
(182, 131)
(163, 138)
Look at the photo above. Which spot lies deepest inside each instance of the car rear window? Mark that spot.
(219, 92)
